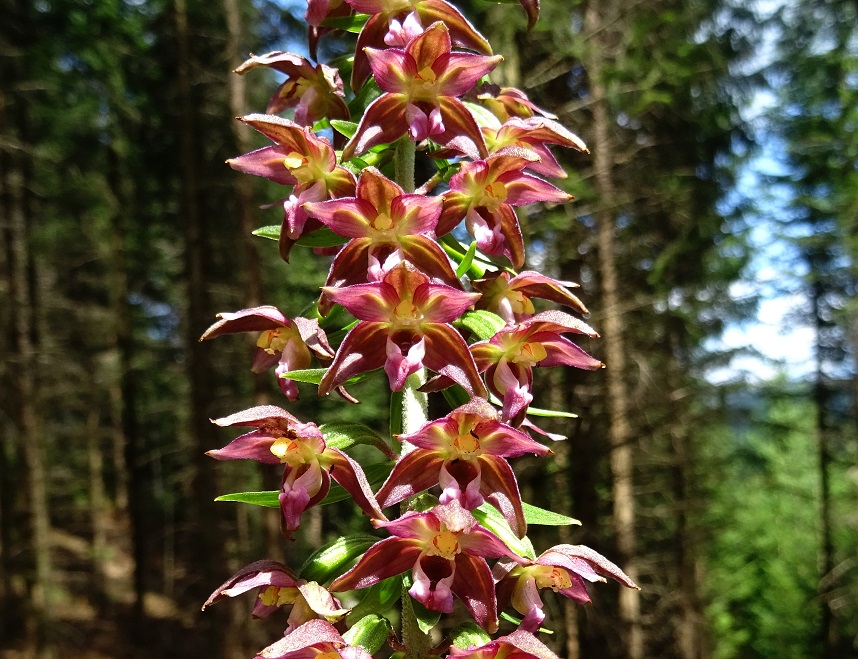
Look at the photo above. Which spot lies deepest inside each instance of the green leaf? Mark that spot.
(323, 237)
(456, 396)
(469, 635)
(379, 597)
(467, 260)
(538, 411)
(352, 23)
(492, 519)
(482, 116)
(347, 128)
(370, 633)
(335, 557)
(517, 621)
(541, 516)
(343, 435)
(308, 375)
(395, 412)
(484, 324)
(375, 474)
(315, 375)
(271, 232)
(267, 499)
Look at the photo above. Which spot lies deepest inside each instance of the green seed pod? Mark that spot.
(370, 632)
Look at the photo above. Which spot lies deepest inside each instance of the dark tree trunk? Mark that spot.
(620, 432)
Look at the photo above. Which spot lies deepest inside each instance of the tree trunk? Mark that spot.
(620, 433)
(208, 546)
(827, 629)
(127, 404)
(23, 359)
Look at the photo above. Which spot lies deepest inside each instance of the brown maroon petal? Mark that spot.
(473, 584)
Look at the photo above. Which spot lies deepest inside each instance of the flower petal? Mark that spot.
(442, 304)
(447, 354)
(383, 122)
(386, 558)
(349, 474)
(473, 584)
(461, 31)
(362, 350)
(266, 162)
(501, 490)
(255, 575)
(256, 319)
(414, 472)
(370, 302)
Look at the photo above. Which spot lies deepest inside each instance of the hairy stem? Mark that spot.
(414, 416)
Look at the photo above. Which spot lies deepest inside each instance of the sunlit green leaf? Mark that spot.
(271, 232)
(541, 516)
(353, 23)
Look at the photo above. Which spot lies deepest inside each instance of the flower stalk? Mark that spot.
(427, 314)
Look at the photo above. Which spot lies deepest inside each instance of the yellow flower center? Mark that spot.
(552, 577)
(278, 596)
(405, 310)
(382, 222)
(292, 451)
(492, 195)
(273, 340)
(519, 302)
(426, 74)
(529, 354)
(467, 445)
(333, 654)
(301, 168)
(445, 544)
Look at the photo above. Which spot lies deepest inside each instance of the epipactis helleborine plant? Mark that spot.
(419, 300)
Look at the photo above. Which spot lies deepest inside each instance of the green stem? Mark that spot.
(404, 163)
(414, 416)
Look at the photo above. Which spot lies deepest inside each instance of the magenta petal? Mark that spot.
(255, 575)
(399, 365)
(256, 319)
(266, 162)
(383, 122)
(577, 591)
(432, 577)
(447, 354)
(369, 302)
(254, 445)
(505, 441)
(416, 213)
(442, 304)
(305, 642)
(501, 489)
(348, 217)
(482, 542)
(526, 189)
(427, 256)
(462, 33)
(414, 472)
(461, 71)
(473, 584)
(434, 436)
(386, 558)
(461, 131)
(562, 352)
(393, 69)
(362, 350)
(349, 474)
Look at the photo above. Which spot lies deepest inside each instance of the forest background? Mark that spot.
(723, 175)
